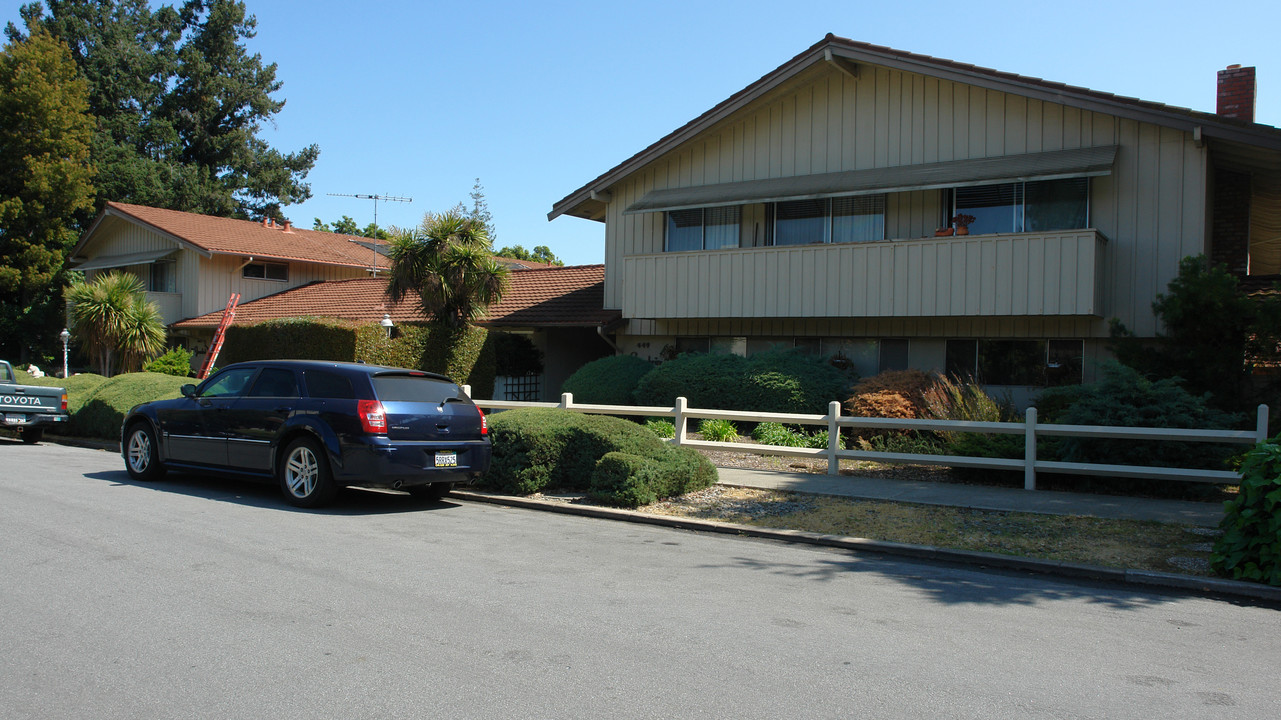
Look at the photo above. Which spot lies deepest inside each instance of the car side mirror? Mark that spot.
(188, 390)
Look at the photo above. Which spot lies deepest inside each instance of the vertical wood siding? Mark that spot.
(1151, 209)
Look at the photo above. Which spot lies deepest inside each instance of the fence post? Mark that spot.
(833, 438)
(566, 399)
(1261, 426)
(1029, 450)
(467, 390)
(679, 421)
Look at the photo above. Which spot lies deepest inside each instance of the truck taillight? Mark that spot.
(484, 421)
(64, 401)
(373, 419)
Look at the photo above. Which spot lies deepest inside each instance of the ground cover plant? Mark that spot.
(104, 409)
(615, 461)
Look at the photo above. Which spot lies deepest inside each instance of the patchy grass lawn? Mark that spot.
(1128, 544)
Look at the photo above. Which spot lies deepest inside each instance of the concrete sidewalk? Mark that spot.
(980, 497)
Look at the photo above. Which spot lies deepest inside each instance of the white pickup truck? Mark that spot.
(29, 409)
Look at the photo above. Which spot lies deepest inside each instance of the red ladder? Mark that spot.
(220, 334)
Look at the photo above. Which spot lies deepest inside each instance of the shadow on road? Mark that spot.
(950, 584)
(350, 501)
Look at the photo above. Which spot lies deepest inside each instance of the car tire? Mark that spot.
(431, 493)
(31, 436)
(304, 474)
(142, 455)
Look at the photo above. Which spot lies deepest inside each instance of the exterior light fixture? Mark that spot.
(387, 323)
(65, 336)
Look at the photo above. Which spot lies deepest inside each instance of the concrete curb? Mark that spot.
(1142, 578)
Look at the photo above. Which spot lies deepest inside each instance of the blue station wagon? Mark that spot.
(315, 427)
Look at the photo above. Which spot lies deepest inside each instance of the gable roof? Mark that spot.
(210, 235)
(846, 55)
(545, 297)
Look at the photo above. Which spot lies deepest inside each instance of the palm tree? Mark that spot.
(448, 262)
(112, 317)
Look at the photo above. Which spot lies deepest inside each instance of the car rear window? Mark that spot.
(414, 388)
(322, 384)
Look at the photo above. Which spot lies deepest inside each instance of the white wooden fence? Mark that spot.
(1030, 429)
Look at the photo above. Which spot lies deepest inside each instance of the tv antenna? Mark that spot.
(373, 266)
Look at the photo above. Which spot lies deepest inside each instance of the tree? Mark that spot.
(348, 226)
(45, 186)
(1214, 334)
(447, 262)
(179, 103)
(541, 253)
(113, 320)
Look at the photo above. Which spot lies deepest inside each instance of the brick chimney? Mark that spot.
(1236, 93)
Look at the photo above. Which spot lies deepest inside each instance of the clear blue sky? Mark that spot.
(418, 99)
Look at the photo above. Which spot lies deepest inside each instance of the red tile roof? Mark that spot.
(544, 297)
(227, 236)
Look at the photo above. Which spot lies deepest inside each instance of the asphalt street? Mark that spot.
(205, 597)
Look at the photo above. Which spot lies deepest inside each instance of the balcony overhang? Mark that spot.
(1078, 162)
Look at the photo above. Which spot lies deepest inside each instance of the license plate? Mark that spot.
(446, 459)
(14, 419)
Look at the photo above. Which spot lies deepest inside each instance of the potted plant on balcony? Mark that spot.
(962, 223)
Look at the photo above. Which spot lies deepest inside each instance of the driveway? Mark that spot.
(199, 597)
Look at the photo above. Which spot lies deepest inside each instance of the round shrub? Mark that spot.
(607, 381)
(773, 381)
(892, 394)
(537, 448)
(175, 362)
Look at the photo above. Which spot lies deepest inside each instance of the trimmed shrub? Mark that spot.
(104, 409)
(893, 394)
(465, 355)
(1250, 547)
(79, 387)
(607, 381)
(662, 428)
(773, 381)
(538, 448)
(175, 362)
(718, 430)
(1124, 397)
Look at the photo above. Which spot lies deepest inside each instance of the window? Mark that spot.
(322, 384)
(1017, 362)
(830, 220)
(703, 228)
(164, 277)
(894, 354)
(274, 382)
(693, 345)
(266, 271)
(1038, 206)
(230, 383)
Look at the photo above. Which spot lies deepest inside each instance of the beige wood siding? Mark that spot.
(1151, 209)
(220, 276)
(981, 275)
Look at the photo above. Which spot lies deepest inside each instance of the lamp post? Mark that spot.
(65, 335)
(387, 323)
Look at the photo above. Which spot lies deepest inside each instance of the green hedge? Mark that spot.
(787, 381)
(79, 387)
(103, 410)
(540, 448)
(608, 381)
(467, 356)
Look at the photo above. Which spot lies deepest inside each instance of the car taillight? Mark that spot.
(373, 419)
(484, 421)
(64, 401)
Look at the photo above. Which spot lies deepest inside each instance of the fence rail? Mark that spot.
(681, 413)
